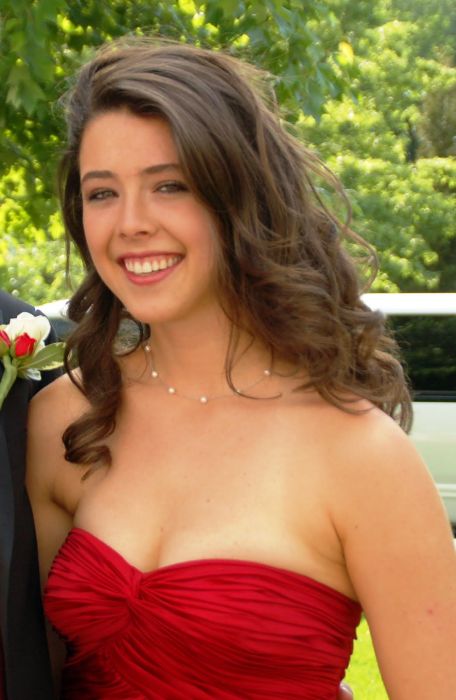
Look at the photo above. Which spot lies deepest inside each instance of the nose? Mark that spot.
(135, 217)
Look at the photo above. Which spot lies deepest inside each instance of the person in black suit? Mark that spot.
(24, 660)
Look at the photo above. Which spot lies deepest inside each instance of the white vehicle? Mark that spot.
(425, 327)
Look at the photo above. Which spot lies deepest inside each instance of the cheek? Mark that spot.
(206, 257)
(93, 232)
(90, 243)
(87, 226)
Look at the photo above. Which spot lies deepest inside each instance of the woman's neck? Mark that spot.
(193, 360)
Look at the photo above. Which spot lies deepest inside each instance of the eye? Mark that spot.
(172, 187)
(99, 195)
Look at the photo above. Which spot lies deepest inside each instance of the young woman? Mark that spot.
(232, 487)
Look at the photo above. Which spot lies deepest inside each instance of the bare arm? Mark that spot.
(401, 560)
(44, 462)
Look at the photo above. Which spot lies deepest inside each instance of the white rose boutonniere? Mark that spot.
(23, 352)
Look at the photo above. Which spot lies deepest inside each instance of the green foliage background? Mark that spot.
(371, 86)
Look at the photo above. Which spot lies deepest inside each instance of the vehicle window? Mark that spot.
(428, 345)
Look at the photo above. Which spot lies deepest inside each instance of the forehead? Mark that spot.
(121, 139)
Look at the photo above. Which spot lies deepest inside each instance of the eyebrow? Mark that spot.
(107, 174)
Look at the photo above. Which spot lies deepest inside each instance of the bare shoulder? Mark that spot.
(355, 439)
(56, 405)
(371, 468)
(51, 411)
(382, 482)
(361, 439)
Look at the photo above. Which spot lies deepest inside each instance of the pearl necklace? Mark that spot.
(203, 398)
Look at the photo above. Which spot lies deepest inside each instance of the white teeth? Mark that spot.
(146, 266)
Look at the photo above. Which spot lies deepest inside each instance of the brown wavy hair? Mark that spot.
(283, 271)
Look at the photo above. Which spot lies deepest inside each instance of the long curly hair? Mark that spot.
(284, 273)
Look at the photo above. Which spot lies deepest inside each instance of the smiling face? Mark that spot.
(150, 239)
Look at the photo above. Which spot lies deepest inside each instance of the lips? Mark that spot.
(147, 265)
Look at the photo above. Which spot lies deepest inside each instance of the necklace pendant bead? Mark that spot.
(203, 398)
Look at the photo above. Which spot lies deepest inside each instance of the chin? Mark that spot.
(147, 318)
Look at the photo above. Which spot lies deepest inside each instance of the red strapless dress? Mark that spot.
(214, 629)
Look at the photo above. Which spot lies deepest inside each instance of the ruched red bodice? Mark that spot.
(218, 629)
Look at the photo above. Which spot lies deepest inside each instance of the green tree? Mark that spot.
(438, 123)
(403, 202)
